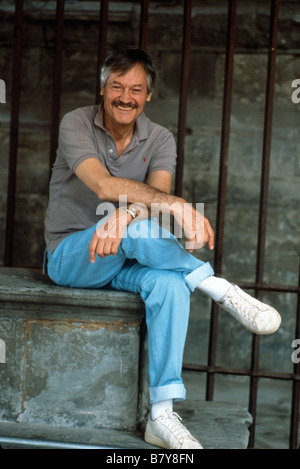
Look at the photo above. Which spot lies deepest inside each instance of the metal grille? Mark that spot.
(211, 369)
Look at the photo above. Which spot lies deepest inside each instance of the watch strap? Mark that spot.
(131, 212)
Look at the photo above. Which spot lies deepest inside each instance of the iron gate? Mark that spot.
(259, 286)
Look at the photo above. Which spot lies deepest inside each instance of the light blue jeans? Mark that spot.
(151, 262)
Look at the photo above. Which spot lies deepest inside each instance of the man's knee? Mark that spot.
(146, 229)
(170, 283)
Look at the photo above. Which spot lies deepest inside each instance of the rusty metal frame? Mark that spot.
(14, 134)
(57, 81)
(220, 221)
(211, 369)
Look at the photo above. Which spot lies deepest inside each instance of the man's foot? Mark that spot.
(168, 432)
(256, 316)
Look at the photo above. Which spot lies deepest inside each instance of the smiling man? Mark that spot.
(114, 151)
(124, 99)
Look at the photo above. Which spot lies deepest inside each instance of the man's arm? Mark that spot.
(108, 188)
(161, 180)
(156, 190)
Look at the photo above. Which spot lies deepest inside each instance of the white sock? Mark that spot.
(158, 408)
(215, 287)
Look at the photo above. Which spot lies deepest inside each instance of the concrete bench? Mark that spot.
(72, 356)
(73, 370)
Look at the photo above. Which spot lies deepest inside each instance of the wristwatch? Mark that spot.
(132, 211)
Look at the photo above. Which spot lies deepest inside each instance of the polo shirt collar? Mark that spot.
(141, 126)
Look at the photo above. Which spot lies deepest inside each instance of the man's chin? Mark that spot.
(125, 117)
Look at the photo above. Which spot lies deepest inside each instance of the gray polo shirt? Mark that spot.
(72, 206)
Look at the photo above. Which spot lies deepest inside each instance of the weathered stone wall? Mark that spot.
(72, 355)
(209, 24)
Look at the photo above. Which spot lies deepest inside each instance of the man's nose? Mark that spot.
(125, 96)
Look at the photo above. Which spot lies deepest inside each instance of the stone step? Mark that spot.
(217, 425)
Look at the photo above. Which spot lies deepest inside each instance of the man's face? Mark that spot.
(125, 96)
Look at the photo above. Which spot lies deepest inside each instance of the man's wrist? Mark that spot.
(129, 214)
(131, 211)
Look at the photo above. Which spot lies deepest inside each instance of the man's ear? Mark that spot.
(101, 92)
(149, 97)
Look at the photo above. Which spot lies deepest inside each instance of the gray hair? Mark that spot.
(123, 60)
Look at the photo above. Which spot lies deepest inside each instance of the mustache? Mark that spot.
(117, 102)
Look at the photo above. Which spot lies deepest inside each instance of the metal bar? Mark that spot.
(185, 57)
(143, 36)
(253, 388)
(57, 80)
(294, 424)
(14, 134)
(227, 96)
(268, 118)
(270, 287)
(242, 372)
(102, 41)
(270, 84)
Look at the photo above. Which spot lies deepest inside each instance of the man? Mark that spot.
(109, 154)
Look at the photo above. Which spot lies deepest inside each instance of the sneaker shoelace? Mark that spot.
(247, 306)
(173, 422)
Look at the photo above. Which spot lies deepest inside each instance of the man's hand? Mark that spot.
(200, 240)
(196, 227)
(107, 237)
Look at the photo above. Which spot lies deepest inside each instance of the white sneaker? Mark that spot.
(256, 316)
(168, 432)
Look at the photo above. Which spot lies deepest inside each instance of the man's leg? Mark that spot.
(154, 247)
(167, 303)
(166, 294)
(69, 265)
(159, 249)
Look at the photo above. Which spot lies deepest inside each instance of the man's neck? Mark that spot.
(121, 134)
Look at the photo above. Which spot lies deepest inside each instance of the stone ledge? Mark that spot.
(217, 425)
(25, 285)
(72, 357)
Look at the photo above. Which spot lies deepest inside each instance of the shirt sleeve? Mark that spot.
(164, 152)
(76, 139)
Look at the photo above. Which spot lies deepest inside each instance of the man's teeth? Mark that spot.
(125, 108)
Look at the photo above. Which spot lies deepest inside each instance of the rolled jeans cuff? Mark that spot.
(174, 391)
(198, 275)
